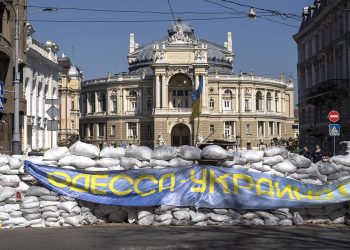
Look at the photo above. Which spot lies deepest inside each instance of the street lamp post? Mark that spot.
(16, 140)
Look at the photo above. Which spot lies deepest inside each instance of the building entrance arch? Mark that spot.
(180, 135)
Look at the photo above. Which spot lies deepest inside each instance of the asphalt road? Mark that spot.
(167, 237)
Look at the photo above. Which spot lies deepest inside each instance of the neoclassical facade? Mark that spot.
(40, 85)
(154, 98)
(323, 72)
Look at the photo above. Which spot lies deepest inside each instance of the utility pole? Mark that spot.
(16, 140)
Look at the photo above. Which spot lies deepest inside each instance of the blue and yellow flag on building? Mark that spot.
(197, 100)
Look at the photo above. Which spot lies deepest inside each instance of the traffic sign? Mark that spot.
(1, 88)
(334, 129)
(52, 101)
(52, 125)
(333, 116)
(53, 112)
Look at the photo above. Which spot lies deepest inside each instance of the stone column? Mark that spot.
(157, 91)
(264, 101)
(273, 100)
(253, 100)
(119, 102)
(164, 91)
(96, 102)
(237, 101)
(204, 93)
(196, 82)
(220, 101)
(140, 101)
(124, 101)
(108, 102)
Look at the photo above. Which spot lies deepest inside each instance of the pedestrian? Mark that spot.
(306, 153)
(317, 154)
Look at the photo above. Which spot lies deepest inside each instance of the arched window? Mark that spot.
(268, 101)
(211, 103)
(276, 102)
(133, 93)
(227, 100)
(259, 103)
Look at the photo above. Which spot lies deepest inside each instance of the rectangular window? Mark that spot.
(113, 130)
(133, 106)
(149, 131)
(211, 128)
(101, 129)
(132, 129)
(114, 105)
(270, 128)
(246, 105)
(228, 129)
(227, 104)
(278, 128)
(72, 125)
(91, 129)
(261, 129)
(248, 131)
(72, 106)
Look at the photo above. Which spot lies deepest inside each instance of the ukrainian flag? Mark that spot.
(197, 100)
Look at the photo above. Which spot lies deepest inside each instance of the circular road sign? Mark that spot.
(333, 116)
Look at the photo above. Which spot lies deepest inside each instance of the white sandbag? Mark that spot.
(164, 152)
(141, 153)
(200, 223)
(273, 160)
(49, 198)
(94, 169)
(15, 214)
(143, 212)
(297, 176)
(179, 162)
(74, 220)
(227, 164)
(311, 181)
(190, 152)
(49, 209)
(249, 216)
(66, 161)
(6, 192)
(341, 160)
(111, 152)
(32, 216)
(274, 172)
(128, 163)
(116, 168)
(67, 206)
(327, 168)
(272, 151)
(260, 167)
(46, 215)
(15, 221)
(83, 162)
(5, 169)
(253, 156)
(155, 163)
(53, 224)
(257, 222)
(285, 167)
(84, 149)
(254, 170)
(30, 205)
(34, 210)
(163, 217)
(214, 152)
(299, 161)
(285, 222)
(218, 217)
(312, 170)
(9, 180)
(198, 217)
(265, 215)
(14, 163)
(108, 162)
(35, 223)
(239, 161)
(56, 153)
(76, 210)
(4, 159)
(48, 203)
(162, 223)
(37, 191)
(69, 167)
(182, 215)
(22, 187)
(146, 220)
(4, 216)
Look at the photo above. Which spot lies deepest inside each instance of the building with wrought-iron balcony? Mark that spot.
(323, 71)
(153, 99)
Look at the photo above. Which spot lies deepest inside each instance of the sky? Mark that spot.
(98, 48)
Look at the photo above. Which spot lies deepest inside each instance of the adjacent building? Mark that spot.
(323, 72)
(7, 65)
(153, 100)
(41, 90)
(68, 92)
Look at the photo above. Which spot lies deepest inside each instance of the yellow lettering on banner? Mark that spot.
(56, 180)
(202, 182)
(286, 190)
(244, 177)
(328, 192)
(343, 190)
(95, 184)
(172, 182)
(300, 196)
(220, 179)
(74, 186)
(270, 192)
(116, 191)
(141, 178)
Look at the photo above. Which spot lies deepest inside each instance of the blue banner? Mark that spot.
(197, 186)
